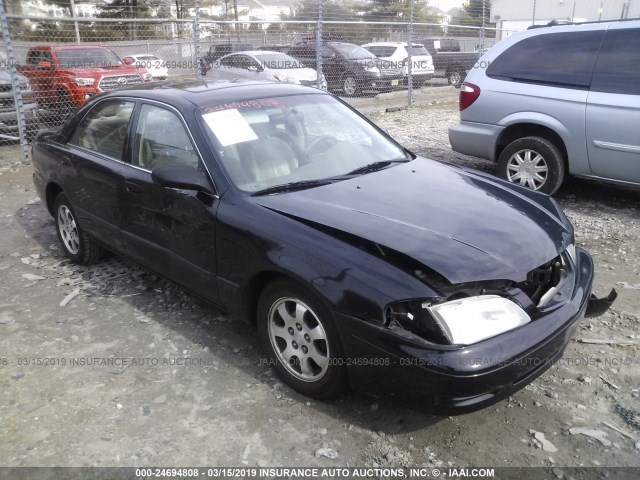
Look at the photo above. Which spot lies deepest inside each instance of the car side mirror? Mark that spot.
(45, 65)
(127, 61)
(254, 68)
(182, 177)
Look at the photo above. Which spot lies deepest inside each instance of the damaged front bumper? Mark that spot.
(457, 379)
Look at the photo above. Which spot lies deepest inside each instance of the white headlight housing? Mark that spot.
(84, 82)
(372, 69)
(472, 319)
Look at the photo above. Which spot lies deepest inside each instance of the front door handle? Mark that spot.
(132, 187)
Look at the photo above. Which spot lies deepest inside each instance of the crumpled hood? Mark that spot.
(463, 225)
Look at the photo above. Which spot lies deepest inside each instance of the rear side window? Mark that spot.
(419, 50)
(104, 129)
(558, 59)
(618, 65)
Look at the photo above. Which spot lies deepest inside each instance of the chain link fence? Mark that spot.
(52, 62)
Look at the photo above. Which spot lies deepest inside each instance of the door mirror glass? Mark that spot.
(182, 177)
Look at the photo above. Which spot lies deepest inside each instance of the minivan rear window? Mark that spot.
(557, 59)
(618, 66)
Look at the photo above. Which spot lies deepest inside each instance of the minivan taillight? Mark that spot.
(468, 94)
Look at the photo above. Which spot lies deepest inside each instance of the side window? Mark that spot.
(104, 129)
(37, 56)
(231, 62)
(617, 68)
(161, 140)
(558, 59)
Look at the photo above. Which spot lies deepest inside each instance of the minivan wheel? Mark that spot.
(77, 245)
(534, 163)
(349, 85)
(299, 340)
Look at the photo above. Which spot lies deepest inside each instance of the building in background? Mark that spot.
(512, 16)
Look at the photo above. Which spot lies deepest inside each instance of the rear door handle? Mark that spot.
(132, 187)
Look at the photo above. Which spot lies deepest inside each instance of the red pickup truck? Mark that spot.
(64, 77)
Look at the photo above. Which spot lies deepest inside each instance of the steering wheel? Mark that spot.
(314, 147)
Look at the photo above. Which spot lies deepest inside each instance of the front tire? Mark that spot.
(534, 163)
(349, 85)
(76, 244)
(299, 340)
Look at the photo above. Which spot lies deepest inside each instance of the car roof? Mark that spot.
(388, 44)
(191, 92)
(254, 52)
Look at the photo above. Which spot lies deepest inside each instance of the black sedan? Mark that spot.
(361, 263)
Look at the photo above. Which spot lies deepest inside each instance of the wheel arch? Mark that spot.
(528, 129)
(51, 192)
(253, 289)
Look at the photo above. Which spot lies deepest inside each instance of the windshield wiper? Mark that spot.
(291, 186)
(375, 166)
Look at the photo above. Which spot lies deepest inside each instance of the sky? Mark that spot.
(445, 4)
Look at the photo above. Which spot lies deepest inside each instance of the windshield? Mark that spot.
(353, 52)
(87, 58)
(278, 61)
(273, 141)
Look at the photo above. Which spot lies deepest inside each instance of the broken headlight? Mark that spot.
(463, 321)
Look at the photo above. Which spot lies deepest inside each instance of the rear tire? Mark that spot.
(76, 244)
(534, 163)
(299, 340)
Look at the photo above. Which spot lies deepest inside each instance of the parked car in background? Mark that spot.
(555, 101)
(448, 60)
(275, 48)
(9, 129)
(361, 263)
(218, 51)
(264, 65)
(349, 68)
(153, 64)
(396, 55)
(63, 77)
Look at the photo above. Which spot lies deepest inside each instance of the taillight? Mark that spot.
(405, 62)
(469, 93)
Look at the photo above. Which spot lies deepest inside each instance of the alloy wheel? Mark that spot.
(298, 339)
(68, 230)
(350, 85)
(528, 168)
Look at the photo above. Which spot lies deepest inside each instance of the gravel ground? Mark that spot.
(197, 394)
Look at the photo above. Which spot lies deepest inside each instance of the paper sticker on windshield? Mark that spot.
(229, 127)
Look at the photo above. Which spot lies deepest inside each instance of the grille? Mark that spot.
(119, 81)
(308, 83)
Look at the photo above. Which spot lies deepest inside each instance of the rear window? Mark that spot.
(617, 69)
(419, 50)
(558, 59)
(381, 50)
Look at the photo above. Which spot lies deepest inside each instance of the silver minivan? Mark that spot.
(555, 101)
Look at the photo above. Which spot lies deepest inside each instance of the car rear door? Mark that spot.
(95, 152)
(613, 107)
(171, 231)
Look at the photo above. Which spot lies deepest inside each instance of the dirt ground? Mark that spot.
(194, 393)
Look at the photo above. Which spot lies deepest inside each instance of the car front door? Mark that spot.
(613, 107)
(96, 151)
(171, 231)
